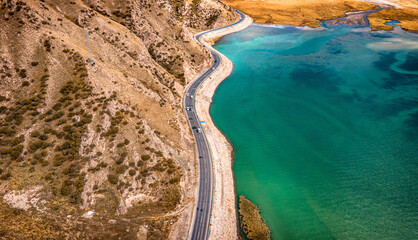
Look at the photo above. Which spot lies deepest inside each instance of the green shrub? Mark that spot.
(5, 176)
(16, 151)
(75, 197)
(33, 146)
(58, 160)
(145, 157)
(79, 183)
(22, 73)
(132, 172)
(158, 167)
(35, 134)
(121, 169)
(119, 161)
(60, 134)
(4, 151)
(144, 172)
(113, 179)
(17, 140)
(65, 190)
(175, 180)
(58, 115)
(102, 165)
(61, 121)
(43, 137)
(48, 130)
(3, 109)
(25, 84)
(34, 64)
(57, 106)
(47, 45)
(112, 131)
(7, 131)
(123, 155)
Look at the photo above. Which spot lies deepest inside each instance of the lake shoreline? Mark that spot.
(236, 112)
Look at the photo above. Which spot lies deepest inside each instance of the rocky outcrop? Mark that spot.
(252, 224)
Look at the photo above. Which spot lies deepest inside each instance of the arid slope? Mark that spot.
(93, 140)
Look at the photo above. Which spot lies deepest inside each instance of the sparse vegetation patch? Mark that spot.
(251, 222)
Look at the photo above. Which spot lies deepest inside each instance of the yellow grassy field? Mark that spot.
(407, 16)
(310, 12)
(297, 12)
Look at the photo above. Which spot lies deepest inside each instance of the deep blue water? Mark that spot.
(325, 129)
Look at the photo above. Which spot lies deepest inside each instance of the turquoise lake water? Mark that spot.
(325, 129)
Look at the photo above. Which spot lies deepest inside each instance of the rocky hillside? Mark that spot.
(93, 139)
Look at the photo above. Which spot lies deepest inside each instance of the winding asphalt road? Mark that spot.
(204, 203)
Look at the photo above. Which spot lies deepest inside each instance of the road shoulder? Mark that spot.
(224, 215)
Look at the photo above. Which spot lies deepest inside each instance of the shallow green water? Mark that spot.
(325, 129)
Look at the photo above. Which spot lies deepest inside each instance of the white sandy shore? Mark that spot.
(223, 224)
(384, 3)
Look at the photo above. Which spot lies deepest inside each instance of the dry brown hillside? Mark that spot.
(93, 140)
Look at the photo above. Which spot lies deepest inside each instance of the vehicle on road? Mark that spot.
(201, 223)
(188, 94)
(187, 109)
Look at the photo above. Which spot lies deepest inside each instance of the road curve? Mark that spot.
(203, 209)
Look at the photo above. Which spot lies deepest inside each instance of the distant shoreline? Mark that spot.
(311, 14)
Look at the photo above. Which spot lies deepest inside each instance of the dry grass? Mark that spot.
(408, 19)
(407, 3)
(17, 224)
(297, 13)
